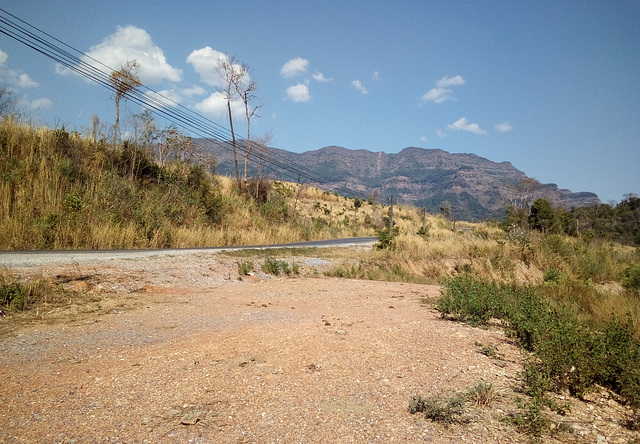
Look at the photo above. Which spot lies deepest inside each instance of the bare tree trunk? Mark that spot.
(115, 126)
(246, 156)
(233, 142)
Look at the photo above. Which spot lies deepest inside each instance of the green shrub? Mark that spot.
(245, 267)
(567, 353)
(468, 299)
(275, 209)
(423, 231)
(446, 411)
(530, 418)
(276, 267)
(554, 276)
(482, 394)
(631, 277)
(14, 295)
(384, 239)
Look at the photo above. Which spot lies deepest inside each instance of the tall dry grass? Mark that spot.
(59, 190)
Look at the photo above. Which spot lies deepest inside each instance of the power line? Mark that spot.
(156, 102)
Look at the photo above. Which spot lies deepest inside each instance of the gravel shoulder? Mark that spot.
(176, 349)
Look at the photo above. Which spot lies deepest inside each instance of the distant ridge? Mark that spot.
(476, 188)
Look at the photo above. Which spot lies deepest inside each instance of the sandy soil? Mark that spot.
(177, 350)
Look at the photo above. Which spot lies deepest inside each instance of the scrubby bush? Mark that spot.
(277, 267)
(245, 267)
(554, 276)
(631, 277)
(607, 355)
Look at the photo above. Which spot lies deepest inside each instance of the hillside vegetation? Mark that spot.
(59, 190)
(475, 188)
(554, 289)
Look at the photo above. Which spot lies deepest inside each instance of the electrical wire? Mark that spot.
(157, 103)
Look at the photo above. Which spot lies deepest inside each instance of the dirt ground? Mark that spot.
(178, 350)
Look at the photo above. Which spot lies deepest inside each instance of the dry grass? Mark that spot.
(59, 191)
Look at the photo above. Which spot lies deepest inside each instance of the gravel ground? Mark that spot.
(175, 349)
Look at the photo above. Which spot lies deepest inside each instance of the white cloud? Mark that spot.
(464, 125)
(441, 133)
(24, 81)
(193, 91)
(447, 81)
(442, 92)
(131, 43)
(294, 67)
(164, 97)
(3, 57)
(319, 77)
(376, 76)
(423, 139)
(504, 127)
(216, 106)
(437, 95)
(357, 84)
(176, 95)
(204, 62)
(42, 103)
(298, 93)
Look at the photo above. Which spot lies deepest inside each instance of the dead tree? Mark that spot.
(123, 81)
(246, 87)
(231, 73)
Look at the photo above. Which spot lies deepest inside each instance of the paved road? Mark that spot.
(27, 259)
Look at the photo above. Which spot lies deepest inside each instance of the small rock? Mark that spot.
(190, 418)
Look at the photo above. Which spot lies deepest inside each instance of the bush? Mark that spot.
(20, 295)
(554, 276)
(609, 356)
(468, 300)
(384, 239)
(277, 267)
(245, 267)
(447, 411)
(275, 209)
(631, 277)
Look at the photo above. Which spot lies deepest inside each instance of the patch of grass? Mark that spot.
(19, 296)
(488, 350)
(277, 267)
(245, 267)
(445, 411)
(483, 394)
(529, 419)
(450, 410)
(554, 276)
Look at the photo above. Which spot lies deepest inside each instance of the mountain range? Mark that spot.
(475, 188)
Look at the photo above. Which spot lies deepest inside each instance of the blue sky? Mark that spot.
(551, 86)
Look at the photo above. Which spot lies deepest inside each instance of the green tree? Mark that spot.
(543, 216)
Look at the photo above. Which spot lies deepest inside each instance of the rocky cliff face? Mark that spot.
(476, 188)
